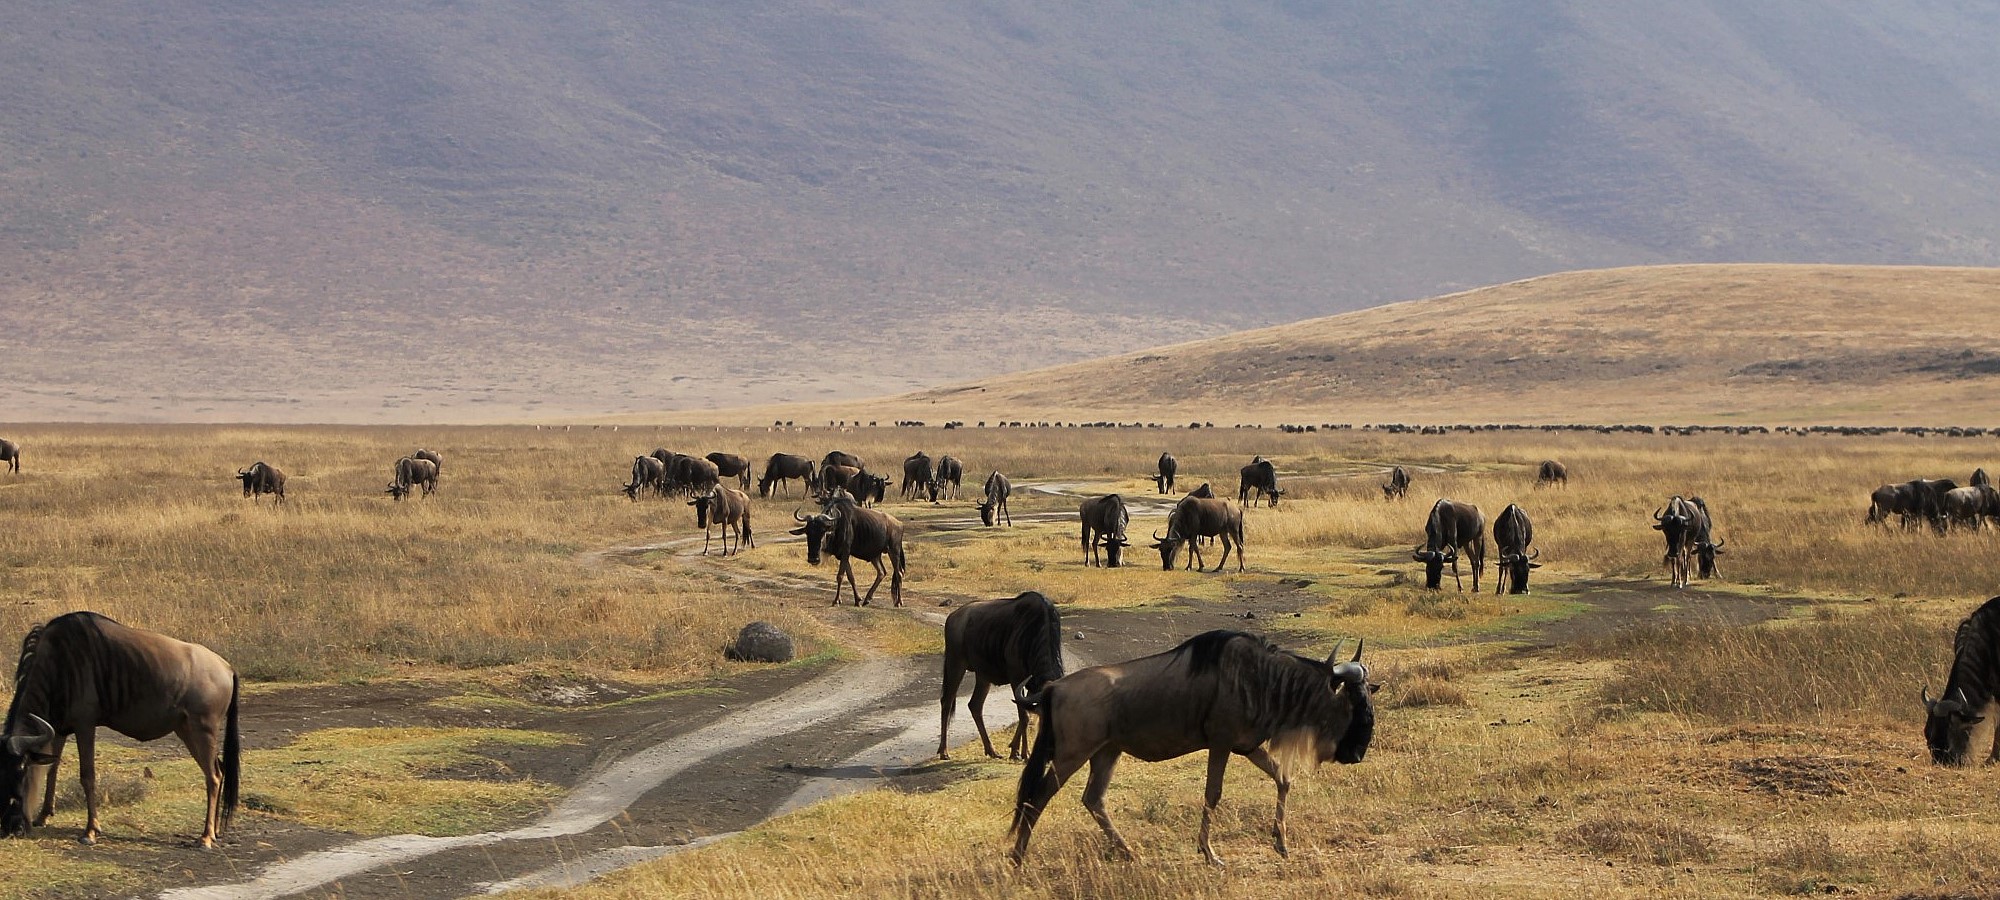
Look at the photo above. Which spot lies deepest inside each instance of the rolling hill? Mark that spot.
(454, 211)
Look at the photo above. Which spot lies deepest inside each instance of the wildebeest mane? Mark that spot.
(1277, 690)
(48, 648)
(1037, 647)
(1975, 667)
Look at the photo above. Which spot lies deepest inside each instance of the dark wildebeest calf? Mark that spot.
(729, 465)
(81, 671)
(1551, 472)
(1016, 642)
(781, 469)
(412, 472)
(10, 453)
(1198, 517)
(647, 472)
(1164, 482)
(1224, 692)
(725, 508)
(950, 474)
(1398, 486)
(1259, 476)
(1970, 692)
(1452, 526)
(995, 504)
(262, 478)
(844, 530)
(432, 455)
(1512, 535)
(1104, 519)
(918, 478)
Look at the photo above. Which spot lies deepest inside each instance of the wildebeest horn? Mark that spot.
(1335, 654)
(1657, 514)
(1357, 649)
(1156, 535)
(19, 744)
(1959, 695)
(1926, 694)
(795, 515)
(1535, 553)
(1718, 546)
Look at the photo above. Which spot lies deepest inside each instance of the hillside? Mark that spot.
(1759, 344)
(377, 211)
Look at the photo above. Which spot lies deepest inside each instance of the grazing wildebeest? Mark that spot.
(838, 478)
(995, 505)
(1702, 538)
(1452, 526)
(262, 478)
(1551, 472)
(1259, 476)
(839, 458)
(950, 472)
(918, 478)
(412, 472)
(10, 453)
(432, 455)
(1196, 517)
(1398, 486)
(869, 488)
(1164, 482)
(1014, 641)
(781, 468)
(647, 472)
(725, 508)
(1676, 522)
(1223, 691)
(1979, 478)
(1104, 520)
(1927, 500)
(1971, 505)
(844, 530)
(729, 465)
(80, 671)
(1512, 535)
(1970, 692)
(692, 475)
(1891, 499)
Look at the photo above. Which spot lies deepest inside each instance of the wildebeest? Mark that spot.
(1888, 500)
(729, 465)
(1705, 546)
(1453, 526)
(647, 472)
(1223, 691)
(10, 453)
(950, 472)
(1203, 491)
(1971, 505)
(837, 478)
(918, 478)
(1104, 519)
(781, 468)
(1398, 486)
(1197, 517)
(692, 475)
(1677, 522)
(262, 478)
(1927, 500)
(80, 671)
(869, 488)
(432, 455)
(412, 472)
(840, 458)
(844, 530)
(1551, 472)
(1970, 692)
(1014, 641)
(1259, 476)
(995, 505)
(1164, 482)
(1979, 478)
(1512, 536)
(725, 508)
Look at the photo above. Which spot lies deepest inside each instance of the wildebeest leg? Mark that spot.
(841, 573)
(978, 707)
(1227, 544)
(1454, 573)
(1262, 760)
(49, 785)
(1101, 766)
(201, 745)
(1218, 761)
(1018, 747)
(86, 772)
(880, 571)
(948, 701)
(1025, 816)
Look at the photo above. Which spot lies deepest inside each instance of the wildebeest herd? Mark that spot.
(1223, 692)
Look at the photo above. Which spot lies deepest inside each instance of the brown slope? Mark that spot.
(1752, 344)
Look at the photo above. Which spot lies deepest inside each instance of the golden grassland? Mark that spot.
(1687, 759)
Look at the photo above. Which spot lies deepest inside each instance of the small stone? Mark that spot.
(761, 642)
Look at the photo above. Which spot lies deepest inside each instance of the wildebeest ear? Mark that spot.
(1373, 687)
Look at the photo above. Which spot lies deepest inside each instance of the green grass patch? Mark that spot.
(398, 780)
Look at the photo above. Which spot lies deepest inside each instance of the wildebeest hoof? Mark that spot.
(87, 839)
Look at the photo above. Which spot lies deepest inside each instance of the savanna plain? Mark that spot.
(1606, 735)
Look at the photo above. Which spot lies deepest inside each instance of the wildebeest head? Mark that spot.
(1672, 522)
(1169, 547)
(704, 507)
(1948, 727)
(814, 529)
(1349, 745)
(34, 744)
(986, 508)
(1440, 545)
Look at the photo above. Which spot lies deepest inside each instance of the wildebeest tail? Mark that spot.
(1035, 775)
(232, 756)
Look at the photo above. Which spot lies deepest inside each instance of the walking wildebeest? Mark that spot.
(728, 509)
(80, 671)
(1702, 539)
(262, 478)
(1551, 472)
(1014, 641)
(839, 458)
(1970, 692)
(1676, 522)
(412, 472)
(844, 530)
(1452, 526)
(950, 472)
(10, 453)
(1104, 519)
(647, 472)
(1164, 482)
(432, 455)
(1259, 476)
(1398, 486)
(918, 477)
(781, 469)
(1196, 517)
(1223, 691)
(729, 465)
(1512, 535)
(995, 505)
